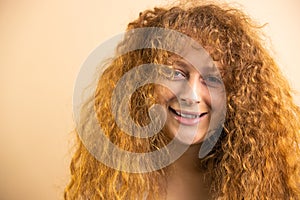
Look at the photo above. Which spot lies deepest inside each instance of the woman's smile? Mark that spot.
(188, 118)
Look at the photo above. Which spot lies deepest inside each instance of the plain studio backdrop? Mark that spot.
(42, 47)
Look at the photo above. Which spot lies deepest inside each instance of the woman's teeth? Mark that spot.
(185, 115)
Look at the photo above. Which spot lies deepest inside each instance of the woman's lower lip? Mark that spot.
(188, 121)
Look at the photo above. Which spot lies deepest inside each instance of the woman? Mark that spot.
(256, 155)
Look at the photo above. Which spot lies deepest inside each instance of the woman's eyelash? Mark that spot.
(213, 78)
(179, 73)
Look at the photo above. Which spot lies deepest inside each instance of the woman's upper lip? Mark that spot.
(187, 112)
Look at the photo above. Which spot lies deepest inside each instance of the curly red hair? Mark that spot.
(258, 153)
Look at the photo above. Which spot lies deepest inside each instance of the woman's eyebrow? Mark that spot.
(206, 68)
(181, 62)
(210, 68)
(213, 69)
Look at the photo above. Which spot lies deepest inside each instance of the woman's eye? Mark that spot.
(178, 75)
(213, 81)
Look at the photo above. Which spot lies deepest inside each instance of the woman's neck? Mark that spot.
(186, 180)
(189, 161)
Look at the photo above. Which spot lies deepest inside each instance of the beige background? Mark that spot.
(42, 46)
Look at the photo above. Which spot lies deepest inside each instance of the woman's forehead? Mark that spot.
(196, 57)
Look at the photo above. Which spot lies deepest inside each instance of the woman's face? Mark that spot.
(187, 95)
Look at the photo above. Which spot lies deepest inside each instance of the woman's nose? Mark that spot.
(193, 91)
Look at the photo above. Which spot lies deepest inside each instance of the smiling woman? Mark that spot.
(189, 103)
(204, 77)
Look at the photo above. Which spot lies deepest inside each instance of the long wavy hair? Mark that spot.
(258, 153)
